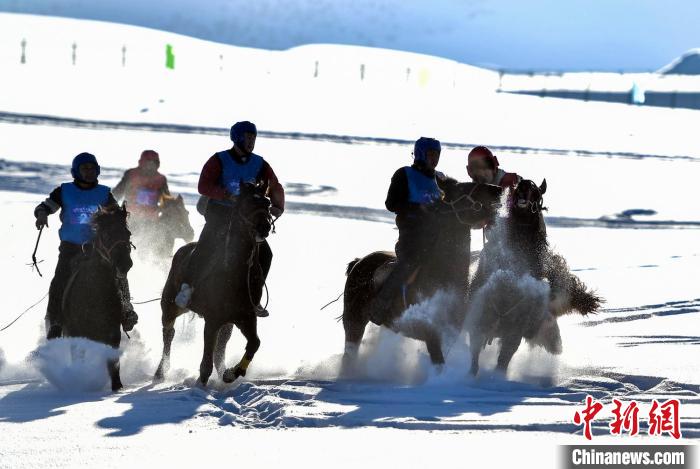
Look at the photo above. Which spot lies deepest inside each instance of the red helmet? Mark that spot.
(482, 152)
(149, 155)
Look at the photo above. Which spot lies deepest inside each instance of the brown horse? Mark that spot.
(521, 286)
(92, 304)
(464, 205)
(155, 238)
(227, 292)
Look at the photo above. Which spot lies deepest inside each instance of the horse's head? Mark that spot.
(175, 217)
(112, 239)
(471, 203)
(254, 210)
(526, 199)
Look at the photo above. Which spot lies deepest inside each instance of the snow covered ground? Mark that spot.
(398, 410)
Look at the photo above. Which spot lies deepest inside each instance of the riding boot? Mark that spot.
(129, 316)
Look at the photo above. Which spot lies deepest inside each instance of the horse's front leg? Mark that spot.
(211, 331)
(249, 329)
(220, 349)
(168, 335)
(113, 369)
(476, 344)
(509, 345)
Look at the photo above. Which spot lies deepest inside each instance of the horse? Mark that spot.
(227, 292)
(521, 286)
(155, 238)
(447, 268)
(174, 223)
(92, 303)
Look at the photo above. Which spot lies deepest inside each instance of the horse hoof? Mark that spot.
(117, 386)
(231, 374)
(158, 377)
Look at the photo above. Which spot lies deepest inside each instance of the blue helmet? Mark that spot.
(239, 129)
(82, 159)
(423, 144)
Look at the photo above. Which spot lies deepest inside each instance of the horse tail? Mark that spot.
(351, 264)
(583, 300)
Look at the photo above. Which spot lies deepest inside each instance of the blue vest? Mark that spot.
(421, 188)
(78, 206)
(233, 174)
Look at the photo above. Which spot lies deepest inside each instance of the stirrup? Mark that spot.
(184, 296)
(261, 312)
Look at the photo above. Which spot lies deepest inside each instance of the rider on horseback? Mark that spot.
(221, 181)
(413, 192)
(78, 201)
(143, 187)
(483, 167)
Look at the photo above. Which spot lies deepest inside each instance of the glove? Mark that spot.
(276, 211)
(42, 219)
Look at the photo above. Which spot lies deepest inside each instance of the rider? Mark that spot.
(78, 201)
(482, 167)
(143, 187)
(412, 195)
(220, 182)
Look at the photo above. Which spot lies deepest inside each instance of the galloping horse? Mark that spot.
(174, 223)
(447, 268)
(521, 286)
(227, 292)
(155, 238)
(92, 303)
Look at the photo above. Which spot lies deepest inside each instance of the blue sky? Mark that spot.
(612, 35)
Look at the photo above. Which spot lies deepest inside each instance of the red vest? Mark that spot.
(144, 192)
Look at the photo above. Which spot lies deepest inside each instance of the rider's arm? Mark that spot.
(51, 204)
(274, 189)
(120, 189)
(165, 190)
(209, 180)
(397, 196)
(48, 206)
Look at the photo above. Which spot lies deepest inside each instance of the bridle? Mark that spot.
(105, 252)
(476, 206)
(534, 206)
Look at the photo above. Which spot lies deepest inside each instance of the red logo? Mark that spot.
(663, 418)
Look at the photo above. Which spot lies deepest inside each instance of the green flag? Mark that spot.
(169, 57)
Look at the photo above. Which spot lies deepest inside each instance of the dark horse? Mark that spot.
(447, 268)
(155, 239)
(92, 304)
(227, 292)
(521, 286)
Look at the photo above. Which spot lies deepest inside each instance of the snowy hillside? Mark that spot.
(622, 211)
(502, 34)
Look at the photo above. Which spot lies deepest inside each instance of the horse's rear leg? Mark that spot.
(113, 369)
(433, 342)
(220, 349)
(249, 329)
(509, 345)
(354, 323)
(211, 332)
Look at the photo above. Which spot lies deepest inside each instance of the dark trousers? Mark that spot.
(67, 252)
(213, 235)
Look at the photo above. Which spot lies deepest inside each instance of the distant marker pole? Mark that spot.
(169, 57)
